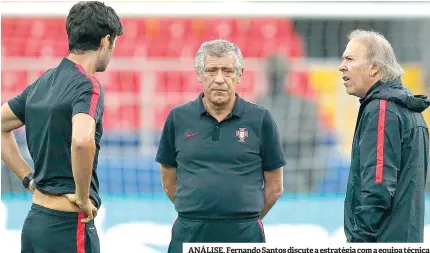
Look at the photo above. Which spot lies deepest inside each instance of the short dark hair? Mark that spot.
(88, 22)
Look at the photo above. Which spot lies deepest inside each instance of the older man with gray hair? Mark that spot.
(385, 193)
(221, 156)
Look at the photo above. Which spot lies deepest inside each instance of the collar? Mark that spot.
(378, 86)
(238, 108)
(67, 62)
(70, 64)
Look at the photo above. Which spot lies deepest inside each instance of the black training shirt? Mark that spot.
(220, 165)
(46, 108)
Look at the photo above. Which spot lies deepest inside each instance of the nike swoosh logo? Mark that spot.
(189, 135)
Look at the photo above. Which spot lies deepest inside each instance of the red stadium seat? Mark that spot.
(217, 28)
(186, 47)
(271, 28)
(161, 116)
(120, 81)
(175, 81)
(285, 46)
(157, 47)
(133, 28)
(12, 84)
(168, 82)
(247, 83)
(243, 27)
(121, 117)
(161, 113)
(13, 47)
(298, 84)
(14, 81)
(175, 28)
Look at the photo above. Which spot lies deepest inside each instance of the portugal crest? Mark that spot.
(242, 133)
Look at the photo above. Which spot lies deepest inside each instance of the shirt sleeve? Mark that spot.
(166, 153)
(89, 99)
(272, 154)
(18, 103)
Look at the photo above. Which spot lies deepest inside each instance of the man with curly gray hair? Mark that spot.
(221, 156)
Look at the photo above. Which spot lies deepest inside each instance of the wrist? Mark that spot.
(80, 198)
(79, 202)
(27, 179)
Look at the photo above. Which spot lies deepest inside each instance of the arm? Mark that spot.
(9, 148)
(83, 151)
(166, 156)
(168, 179)
(13, 117)
(273, 182)
(380, 152)
(273, 161)
(87, 111)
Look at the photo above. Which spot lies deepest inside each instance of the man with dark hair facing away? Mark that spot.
(62, 113)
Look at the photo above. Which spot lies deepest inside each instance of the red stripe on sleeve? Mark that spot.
(94, 97)
(80, 234)
(95, 94)
(380, 142)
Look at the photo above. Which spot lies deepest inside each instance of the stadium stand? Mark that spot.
(124, 168)
(152, 71)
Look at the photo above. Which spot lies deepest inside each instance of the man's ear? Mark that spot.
(241, 74)
(374, 70)
(105, 42)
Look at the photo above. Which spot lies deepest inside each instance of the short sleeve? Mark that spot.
(18, 103)
(272, 154)
(166, 153)
(89, 99)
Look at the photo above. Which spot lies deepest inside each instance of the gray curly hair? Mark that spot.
(218, 48)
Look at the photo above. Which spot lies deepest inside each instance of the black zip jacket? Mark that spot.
(385, 193)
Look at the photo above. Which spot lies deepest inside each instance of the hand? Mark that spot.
(86, 206)
(31, 187)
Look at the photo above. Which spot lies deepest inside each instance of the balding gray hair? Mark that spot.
(379, 52)
(218, 48)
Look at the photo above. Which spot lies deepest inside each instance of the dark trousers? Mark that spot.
(215, 231)
(51, 231)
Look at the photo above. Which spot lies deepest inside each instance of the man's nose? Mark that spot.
(342, 67)
(219, 78)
